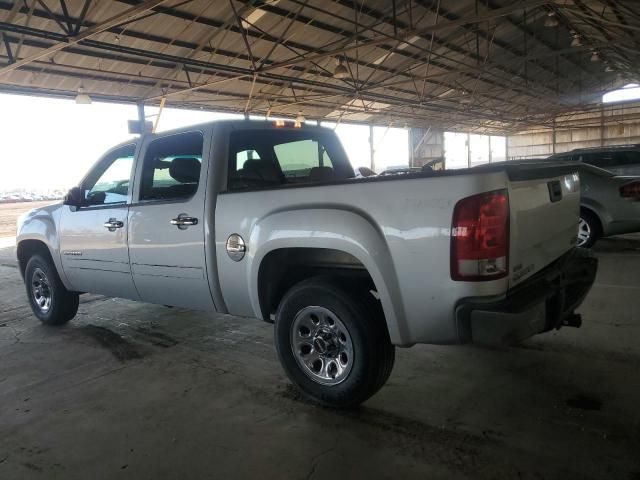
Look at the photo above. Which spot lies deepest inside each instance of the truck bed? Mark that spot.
(407, 223)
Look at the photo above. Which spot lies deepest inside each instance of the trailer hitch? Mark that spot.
(572, 320)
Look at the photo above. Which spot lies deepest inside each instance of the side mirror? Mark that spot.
(74, 197)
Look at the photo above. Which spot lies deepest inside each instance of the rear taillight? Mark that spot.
(630, 190)
(480, 237)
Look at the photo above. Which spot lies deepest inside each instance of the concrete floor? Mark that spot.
(139, 391)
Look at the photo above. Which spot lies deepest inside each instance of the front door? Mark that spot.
(166, 223)
(93, 237)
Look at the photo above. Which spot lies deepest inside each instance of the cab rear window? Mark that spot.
(271, 158)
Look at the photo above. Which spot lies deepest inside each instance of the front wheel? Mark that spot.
(333, 343)
(50, 301)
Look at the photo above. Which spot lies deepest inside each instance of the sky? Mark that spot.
(51, 143)
(626, 93)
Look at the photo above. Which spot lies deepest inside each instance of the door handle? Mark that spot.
(183, 221)
(112, 224)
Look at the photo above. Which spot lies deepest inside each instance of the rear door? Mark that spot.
(544, 204)
(93, 238)
(167, 224)
(632, 163)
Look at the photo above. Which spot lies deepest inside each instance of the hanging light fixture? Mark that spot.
(340, 71)
(576, 42)
(82, 98)
(608, 68)
(552, 20)
(595, 57)
(299, 120)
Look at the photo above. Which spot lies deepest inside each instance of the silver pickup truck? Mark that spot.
(267, 220)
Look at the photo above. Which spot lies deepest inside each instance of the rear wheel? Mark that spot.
(588, 229)
(333, 343)
(50, 301)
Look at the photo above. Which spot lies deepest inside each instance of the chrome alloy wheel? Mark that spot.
(322, 345)
(584, 232)
(41, 290)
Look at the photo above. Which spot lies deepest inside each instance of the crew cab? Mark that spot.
(268, 221)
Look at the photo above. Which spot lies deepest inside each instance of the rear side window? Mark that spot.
(561, 157)
(172, 166)
(266, 158)
(633, 158)
(605, 160)
(243, 156)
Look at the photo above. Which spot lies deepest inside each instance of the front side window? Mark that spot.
(109, 182)
(171, 168)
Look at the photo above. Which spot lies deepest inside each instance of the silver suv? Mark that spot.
(619, 159)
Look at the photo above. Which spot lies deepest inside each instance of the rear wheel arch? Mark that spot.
(594, 221)
(597, 209)
(595, 215)
(282, 268)
(333, 344)
(345, 230)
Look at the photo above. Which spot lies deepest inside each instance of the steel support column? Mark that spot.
(141, 119)
(371, 148)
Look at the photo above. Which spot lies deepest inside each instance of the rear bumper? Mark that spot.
(545, 301)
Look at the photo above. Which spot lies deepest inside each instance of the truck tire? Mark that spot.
(50, 301)
(333, 342)
(589, 229)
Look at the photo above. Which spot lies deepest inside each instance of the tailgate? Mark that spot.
(544, 206)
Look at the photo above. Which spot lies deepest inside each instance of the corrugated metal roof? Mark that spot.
(480, 65)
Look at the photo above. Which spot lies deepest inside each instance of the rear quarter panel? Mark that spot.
(399, 229)
(601, 194)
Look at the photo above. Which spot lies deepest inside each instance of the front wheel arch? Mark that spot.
(50, 301)
(27, 249)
